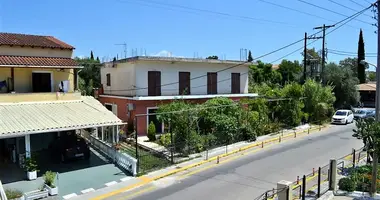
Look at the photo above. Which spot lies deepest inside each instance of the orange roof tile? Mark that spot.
(17, 39)
(33, 61)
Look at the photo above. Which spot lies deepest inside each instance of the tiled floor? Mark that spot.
(73, 177)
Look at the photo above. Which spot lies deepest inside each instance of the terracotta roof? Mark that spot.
(32, 61)
(367, 87)
(275, 67)
(17, 39)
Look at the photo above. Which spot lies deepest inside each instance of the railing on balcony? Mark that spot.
(31, 97)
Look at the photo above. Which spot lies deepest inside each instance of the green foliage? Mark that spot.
(318, 100)
(31, 164)
(152, 132)
(291, 110)
(290, 71)
(371, 76)
(368, 130)
(213, 57)
(13, 194)
(166, 139)
(347, 184)
(249, 59)
(49, 178)
(89, 76)
(263, 73)
(344, 85)
(361, 56)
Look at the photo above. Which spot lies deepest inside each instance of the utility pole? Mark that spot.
(324, 27)
(377, 103)
(304, 58)
(125, 49)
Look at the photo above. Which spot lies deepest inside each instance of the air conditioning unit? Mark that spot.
(131, 106)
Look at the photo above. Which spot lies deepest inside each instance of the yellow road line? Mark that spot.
(137, 193)
(146, 180)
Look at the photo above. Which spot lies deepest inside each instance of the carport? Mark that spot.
(28, 128)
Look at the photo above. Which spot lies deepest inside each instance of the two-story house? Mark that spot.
(39, 100)
(137, 85)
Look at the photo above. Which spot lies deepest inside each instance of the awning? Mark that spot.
(17, 119)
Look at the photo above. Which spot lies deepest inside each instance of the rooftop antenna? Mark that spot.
(125, 48)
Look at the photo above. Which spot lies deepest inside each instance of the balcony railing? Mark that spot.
(32, 97)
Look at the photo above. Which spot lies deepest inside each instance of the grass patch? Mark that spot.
(148, 161)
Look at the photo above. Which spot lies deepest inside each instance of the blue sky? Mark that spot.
(100, 24)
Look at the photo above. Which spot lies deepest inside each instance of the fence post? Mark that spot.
(308, 131)
(332, 175)
(262, 144)
(358, 158)
(353, 157)
(284, 190)
(279, 139)
(303, 187)
(136, 143)
(217, 160)
(295, 134)
(319, 182)
(172, 144)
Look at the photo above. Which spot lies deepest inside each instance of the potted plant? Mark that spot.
(49, 178)
(14, 194)
(31, 168)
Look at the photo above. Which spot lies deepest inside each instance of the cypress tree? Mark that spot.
(361, 56)
(250, 59)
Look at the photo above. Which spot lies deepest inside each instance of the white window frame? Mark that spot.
(51, 78)
(147, 119)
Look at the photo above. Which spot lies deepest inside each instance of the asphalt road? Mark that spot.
(249, 176)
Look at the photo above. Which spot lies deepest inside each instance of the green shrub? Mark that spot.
(152, 132)
(347, 184)
(166, 139)
(49, 178)
(13, 194)
(31, 164)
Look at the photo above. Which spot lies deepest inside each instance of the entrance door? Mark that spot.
(41, 82)
(153, 118)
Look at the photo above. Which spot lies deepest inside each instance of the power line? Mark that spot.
(348, 19)
(326, 9)
(241, 17)
(344, 6)
(349, 54)
(357, 3)
(306, 13)
(339, 51)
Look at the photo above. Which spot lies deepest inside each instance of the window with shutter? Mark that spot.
(235, 83)
(108, 79)
(184, 83)
(212, 83)
(154, 83)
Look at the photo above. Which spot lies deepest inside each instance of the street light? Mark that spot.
(364, 62)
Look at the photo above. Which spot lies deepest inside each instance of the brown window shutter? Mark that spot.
(151, 83)
(235, 83)
(184, 83)
(212, 83)
(158, 83)
(108, 79)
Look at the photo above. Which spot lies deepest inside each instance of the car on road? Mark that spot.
(69, 146)
(342, 117)
(363, 113)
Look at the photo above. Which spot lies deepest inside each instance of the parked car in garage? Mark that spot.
(342, 117)
(69, 146)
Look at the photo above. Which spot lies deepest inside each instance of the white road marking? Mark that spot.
(111, 183)
(126, 178)
(87, 190)
(69, 196)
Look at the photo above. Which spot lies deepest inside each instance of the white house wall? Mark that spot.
(122, 79)
(169, 74)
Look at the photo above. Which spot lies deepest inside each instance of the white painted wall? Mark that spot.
(127, 76)
(36, 51)
(122, 79)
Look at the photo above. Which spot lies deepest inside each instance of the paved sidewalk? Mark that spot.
(134, 182)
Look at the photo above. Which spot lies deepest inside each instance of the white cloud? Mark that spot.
(165, 53)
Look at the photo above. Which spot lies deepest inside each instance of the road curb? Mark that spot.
(145, 179)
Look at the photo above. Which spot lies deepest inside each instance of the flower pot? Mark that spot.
(32, 175)
(52, 191)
